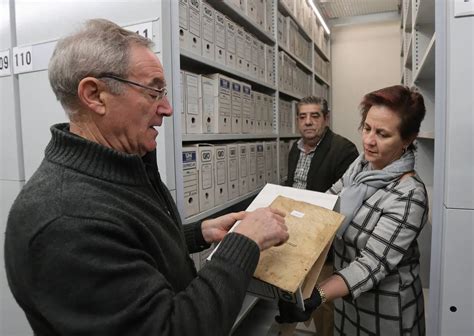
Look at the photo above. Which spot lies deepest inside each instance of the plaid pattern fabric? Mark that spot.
(302, 167)
(378, 258)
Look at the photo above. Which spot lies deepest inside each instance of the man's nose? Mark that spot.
(164, 108)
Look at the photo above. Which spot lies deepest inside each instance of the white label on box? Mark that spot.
(297, 214)
(220, 30)
(5, 63)
(183, 14)
(190, 182)
(193, 117)
(206, 169)
(208, 31)
(206, 177)
(195, 17)
(208, 108)
(22, 59)
(220, 159)
(233, 169)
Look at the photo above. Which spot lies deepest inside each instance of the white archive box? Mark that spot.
(269, 16)
(246, 107)
(267, 151)
(220, 168)
(282, 36)
(236, 106)
(206, 176)
(183, 102)
(190, 181)
(240, 49)
(219, 38)
(243, 169)
(252, 150)
(207, 31)
(251, 10)
(248, 53)
(183, 23)
(283, 161)
(230, 43)
(261, 6)
(265, 121)
(260, 164)
(298, 204)
(193, 109)
(222, 102)
(253, 113)
(193, 41)
(260, 112)
(233, 171)
(255, 54)
(262, 60)
(207, 105)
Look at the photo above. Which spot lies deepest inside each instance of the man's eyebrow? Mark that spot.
(159, 82)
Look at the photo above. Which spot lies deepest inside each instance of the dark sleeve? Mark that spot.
(348, 154)
(94, 278)
(194, 239)
(291, 165)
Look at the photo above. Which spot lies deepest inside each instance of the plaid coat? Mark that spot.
(378, 258)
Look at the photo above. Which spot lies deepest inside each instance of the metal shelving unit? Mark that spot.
(225, 137)
(187, 60)
(204, 64)
(237, 15)
(210, 212)
(418, 54)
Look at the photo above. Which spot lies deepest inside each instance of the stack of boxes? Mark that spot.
(216, 174)
(215, 103)
(206, 32)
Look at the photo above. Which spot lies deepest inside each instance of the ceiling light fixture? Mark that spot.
(320, 18)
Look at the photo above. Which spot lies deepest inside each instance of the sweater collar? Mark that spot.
(90, 158)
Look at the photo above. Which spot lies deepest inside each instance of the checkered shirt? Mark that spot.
(378, 258)
(304, 162)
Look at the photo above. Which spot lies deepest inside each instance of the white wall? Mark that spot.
(365, 57)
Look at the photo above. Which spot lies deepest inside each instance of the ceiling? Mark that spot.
(335, 9)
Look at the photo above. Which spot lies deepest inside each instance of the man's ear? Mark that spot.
(90, 93)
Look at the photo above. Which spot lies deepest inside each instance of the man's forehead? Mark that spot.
(310, 108)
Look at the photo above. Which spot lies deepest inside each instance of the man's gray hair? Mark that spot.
(313, 100)
(100, 47)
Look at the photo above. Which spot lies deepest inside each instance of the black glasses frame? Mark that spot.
(160, 93)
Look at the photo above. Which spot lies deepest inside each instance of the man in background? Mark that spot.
(94, 242)
(315, 162)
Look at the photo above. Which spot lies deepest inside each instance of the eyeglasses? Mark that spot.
(158, 93)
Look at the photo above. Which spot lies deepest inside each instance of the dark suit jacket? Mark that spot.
(330, 161)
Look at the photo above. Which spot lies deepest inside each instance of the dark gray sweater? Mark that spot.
(94, 246)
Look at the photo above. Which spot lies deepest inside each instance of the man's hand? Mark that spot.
(265, 226)
(213, 230)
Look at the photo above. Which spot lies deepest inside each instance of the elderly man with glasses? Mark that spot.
(94, 242)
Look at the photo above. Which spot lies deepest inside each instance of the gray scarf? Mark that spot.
(360, 183)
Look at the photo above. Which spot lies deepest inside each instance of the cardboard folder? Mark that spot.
(295, 266)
